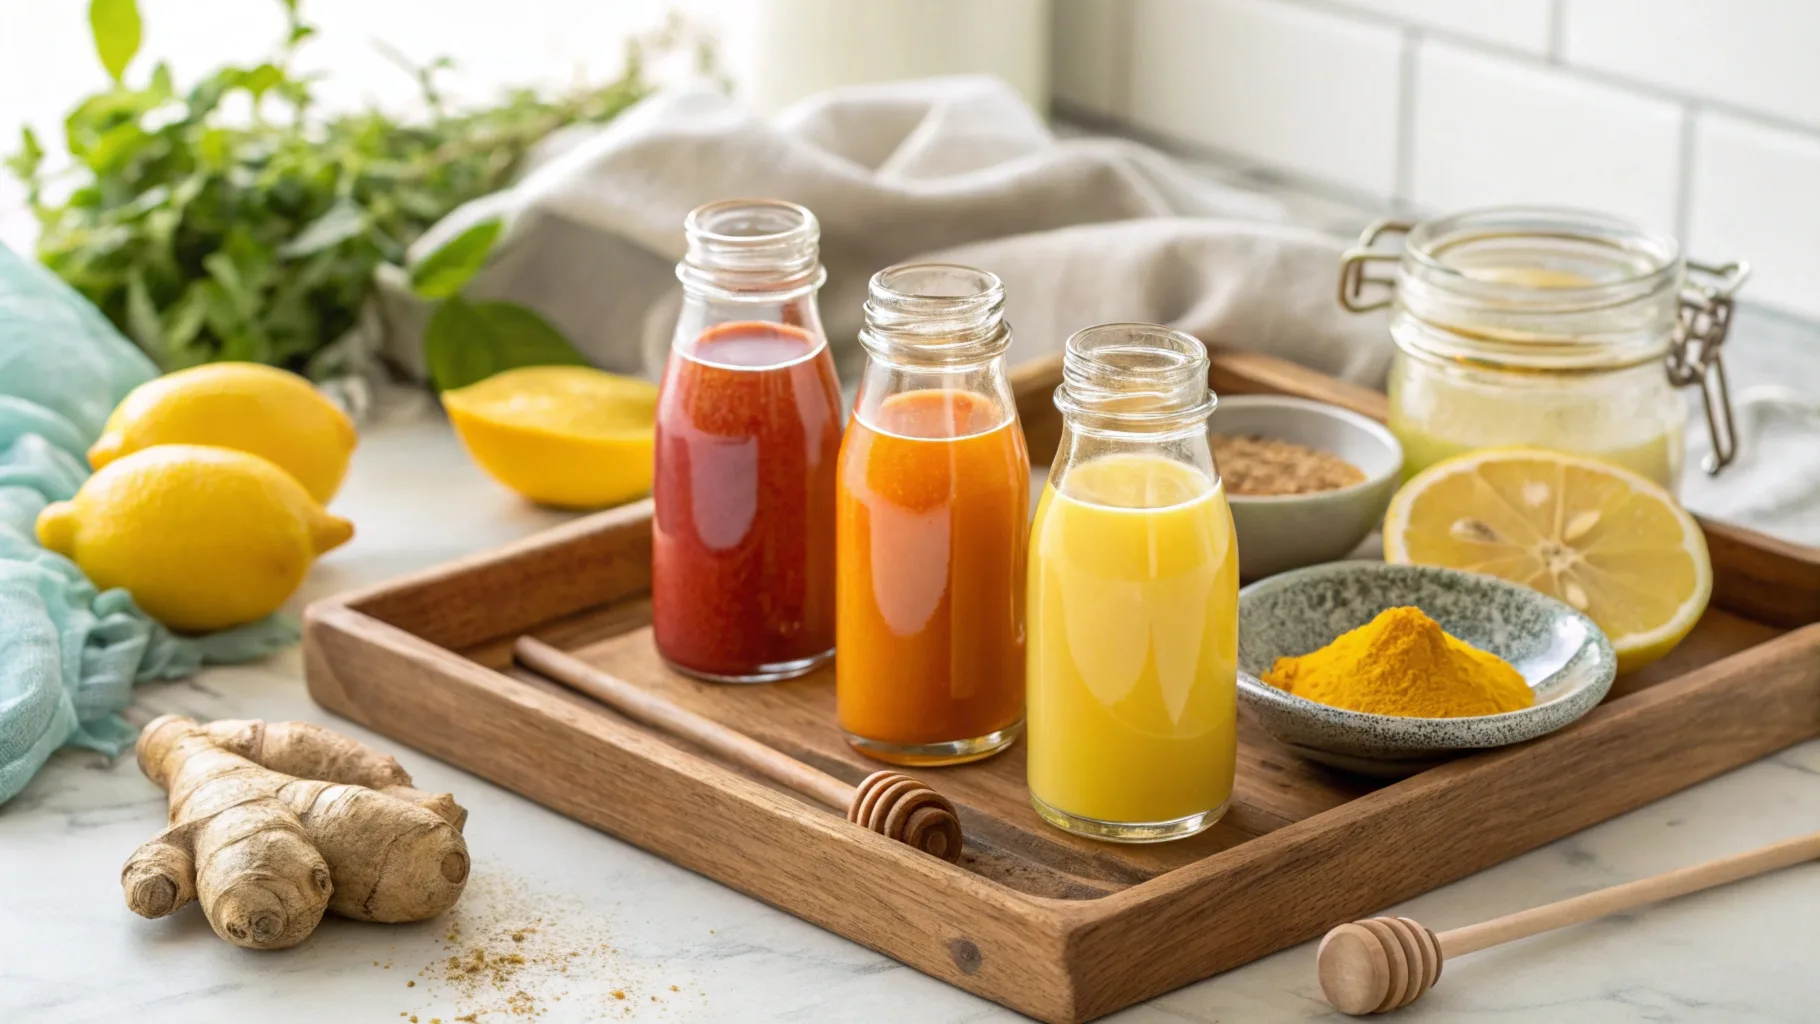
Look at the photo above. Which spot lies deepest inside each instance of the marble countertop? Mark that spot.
(574, 925)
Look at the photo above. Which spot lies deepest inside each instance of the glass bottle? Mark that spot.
(1551, 328)
(1134, 589)
(748, 431)
(933, 511)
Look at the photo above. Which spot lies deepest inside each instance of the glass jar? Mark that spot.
(748, 431)
(1535, 326)
(932, 512)
(1134, 591)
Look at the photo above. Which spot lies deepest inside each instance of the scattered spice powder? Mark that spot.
(1267, 466)
(503, 958)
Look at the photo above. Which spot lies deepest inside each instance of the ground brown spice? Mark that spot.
(505, 956)
(1266, 466)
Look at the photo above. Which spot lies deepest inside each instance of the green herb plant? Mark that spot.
(236, 220)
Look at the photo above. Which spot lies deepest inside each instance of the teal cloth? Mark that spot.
(70, 654)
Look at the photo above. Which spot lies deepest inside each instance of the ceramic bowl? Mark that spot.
(1288, 531)
(1560, 653)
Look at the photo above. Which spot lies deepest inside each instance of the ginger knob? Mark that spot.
(274, 824)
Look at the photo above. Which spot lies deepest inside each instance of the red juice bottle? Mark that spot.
(748, 437)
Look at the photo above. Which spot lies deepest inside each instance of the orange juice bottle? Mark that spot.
(931, 513)
(1133, 588)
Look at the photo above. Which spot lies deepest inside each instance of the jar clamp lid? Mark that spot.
(1448, 269)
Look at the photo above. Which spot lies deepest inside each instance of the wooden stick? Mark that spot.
(646, 707)
(1602, 902)
(889, 803)
(1384, 963)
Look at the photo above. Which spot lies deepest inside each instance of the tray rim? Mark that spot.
(1086, 933)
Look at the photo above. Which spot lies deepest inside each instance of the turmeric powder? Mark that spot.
(1402, 663)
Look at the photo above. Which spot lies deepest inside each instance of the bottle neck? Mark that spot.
(935, 317)
(936, 327)
(763, 251)
(1134, 379)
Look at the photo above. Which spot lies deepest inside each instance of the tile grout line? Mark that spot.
(1403, 180)
(1684, 198)
(1557, 32)
(1582, 73)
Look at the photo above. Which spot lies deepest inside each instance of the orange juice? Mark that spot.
(931, 511)
(1133, 655)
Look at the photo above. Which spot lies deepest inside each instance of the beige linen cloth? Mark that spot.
(1082, 231)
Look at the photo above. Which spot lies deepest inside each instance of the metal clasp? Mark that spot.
(1693, 358)
(1353, 266)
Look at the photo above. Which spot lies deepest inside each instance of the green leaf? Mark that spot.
(142, 322)
(24, 163)
(345, 220)
(116, 27)
(260, 79)
(446, 271)
(467, 342)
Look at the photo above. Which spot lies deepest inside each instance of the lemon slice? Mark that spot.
(1599, 537)
(569, 436)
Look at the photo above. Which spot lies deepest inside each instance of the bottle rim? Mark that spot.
(940, 314)
(751, 249)
(1538, 287)
(1135, 378)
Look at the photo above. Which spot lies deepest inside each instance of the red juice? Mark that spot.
(742, 557)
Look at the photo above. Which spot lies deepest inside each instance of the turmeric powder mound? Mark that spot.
(1403, 663)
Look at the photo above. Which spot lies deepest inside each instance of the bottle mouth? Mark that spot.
(1541, 286)
(740, 246)
(1135, 377)
(939, 313)
(1540, 257)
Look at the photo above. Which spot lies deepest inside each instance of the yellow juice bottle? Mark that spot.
(1133, 606)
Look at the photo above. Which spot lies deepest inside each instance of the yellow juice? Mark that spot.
(1133, 647)
(1658, 458)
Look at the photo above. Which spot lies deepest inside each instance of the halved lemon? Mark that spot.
(569, 436)
(1601, 538)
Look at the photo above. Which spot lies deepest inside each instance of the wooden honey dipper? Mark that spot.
(892, 804)
(1384, 963)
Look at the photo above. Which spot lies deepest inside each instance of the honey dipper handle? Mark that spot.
(1669, 884)
(644, 706)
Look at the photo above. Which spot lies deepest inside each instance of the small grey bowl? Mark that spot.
(1563, 656)
(1287, 531)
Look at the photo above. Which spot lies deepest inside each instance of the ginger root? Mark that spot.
(274, 823)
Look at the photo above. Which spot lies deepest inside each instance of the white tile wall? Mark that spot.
(1756, 196)
(1698, 117)
(1277, 83)
(1761, 55)
(1520, 24)
(1490, 130)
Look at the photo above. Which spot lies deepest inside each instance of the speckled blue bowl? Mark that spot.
(1563, 656)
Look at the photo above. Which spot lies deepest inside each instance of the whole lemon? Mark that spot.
(568, 436)
(269, 412)
(202, 537)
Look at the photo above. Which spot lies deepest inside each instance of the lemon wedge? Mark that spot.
(1599, 537)
(568, 436)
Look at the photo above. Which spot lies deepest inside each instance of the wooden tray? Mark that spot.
(1061, 928)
